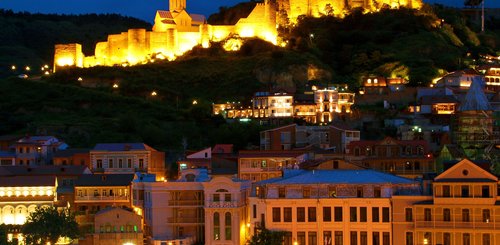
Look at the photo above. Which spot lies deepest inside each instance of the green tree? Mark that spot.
(47, 224)
(267, 237)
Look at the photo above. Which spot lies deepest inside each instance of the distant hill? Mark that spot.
(29, 39)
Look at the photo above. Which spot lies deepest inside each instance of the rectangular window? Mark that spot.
(375, 214)
(377, 192)
(376, 238)
(327, 214)
(281, 192)
(486, 215)
(362, 214)
(311, 214)
(408, 214)
(110, 163)
(339, 238)
(327, 237)
(276, 214)
(129, 163)
(409, 238)
(359, 192)
(386, 238)
(446, 191)
(466, 239)
(287, 239)
(338, 214)
(227, 197)
(141, 163)
(216, 197)
(312, 238)
(485, 191)
(353, 214)
(427, 214)
(354, 238)
(301, 237)
(486, 239)
(254, 211)
(446, 238)
(301, 214)
(287, 214)
(446, 215)
(363, 238)
(99, 163)
(465, 191)
(385, 215)
(306, 192)
(465, 215)
(120, 163)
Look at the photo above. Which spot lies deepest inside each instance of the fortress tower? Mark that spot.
(177, 5)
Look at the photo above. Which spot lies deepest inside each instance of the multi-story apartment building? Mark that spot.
(330, 101)
(272, 105)
(193, 209)
(72, 156)
(94, 192)
(408, 158)
(127, 158)
(491, 76)
(328, 206)
(37, 150)
(262, 165)
(463, 209)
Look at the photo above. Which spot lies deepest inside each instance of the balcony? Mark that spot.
(223, 204)
(186, 220)
(121, 235)
(190, 203)
(102, 198)
(456, 225)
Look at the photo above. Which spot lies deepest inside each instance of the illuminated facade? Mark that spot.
(330, 102)
(174, 32)
(262, 165)
(37, 150)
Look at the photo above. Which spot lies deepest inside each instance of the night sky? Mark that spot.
(143, 9)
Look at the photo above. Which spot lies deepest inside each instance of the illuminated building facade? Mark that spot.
(37, 150)
(491, 76)
(174, 32)
(330, 102)
(127, 158)
(262, 165)
(328, 206)
(272, 105)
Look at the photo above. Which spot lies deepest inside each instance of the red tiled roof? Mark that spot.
(165, 14)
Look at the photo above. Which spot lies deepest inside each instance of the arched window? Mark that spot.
(228, 225)
(216, 226)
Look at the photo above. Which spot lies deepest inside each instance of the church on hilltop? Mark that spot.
(176, 31)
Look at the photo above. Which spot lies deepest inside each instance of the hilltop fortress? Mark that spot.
(176, 31)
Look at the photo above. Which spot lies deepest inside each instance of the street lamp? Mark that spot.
(13, 67)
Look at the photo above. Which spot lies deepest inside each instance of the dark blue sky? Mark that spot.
(143, 9)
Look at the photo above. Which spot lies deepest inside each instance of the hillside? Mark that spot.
(29, 39)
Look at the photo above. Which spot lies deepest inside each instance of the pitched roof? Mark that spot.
(122, 147)
(337, 176)
(475, 100)
(197, 18)
(104, 180)
(70, 152)
(165, 14)
(19, 181)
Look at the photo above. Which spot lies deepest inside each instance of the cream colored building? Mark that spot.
(195, 208)
(462, 210)
(328, 206)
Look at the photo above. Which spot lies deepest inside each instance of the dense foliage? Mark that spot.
(47, 224)
(267, 237)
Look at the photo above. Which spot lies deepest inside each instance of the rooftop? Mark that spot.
(43, 170)
(104, 180)
(20, 181)
(122, 147)
(475, 100)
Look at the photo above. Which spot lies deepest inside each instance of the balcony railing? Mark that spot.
(186, 220)
(456, 225)
(185, 202)
(224, 204)
(102, 198)
(121, 235)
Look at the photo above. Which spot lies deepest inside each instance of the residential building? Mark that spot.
(7, 158)
(115, 226)
(94, 192)
(262, 165)
(341, 135)
(330, 101)
(491, 76)
(328, 206)
(196, 208)
(409, 158)
(73, 156)
(382, 85)
(272, 105)
(459, 79)
(127, 158)
(462, 210)
(37, 150)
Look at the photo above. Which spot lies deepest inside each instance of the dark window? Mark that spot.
(465, 191)
(327, 237)
(287, 214)
(375, 214)
(276, 214)
(359, 192)
(446, 191)
(385, 215)
(335, 164)
(363, 238)
(338, 214)
(486, 239)
(377, 192)
(485, 191)
(306, 192)
(312, 238)
(301, 237)
(287, 238)
(216, 198)
(427, 214)
(486, 215)
(446, 238)
(311, 214)
(353, 214)
(327, 214)
(465, 215)
(408, 214)
(354, 238)
(339, 238)
(466, 239)
(409, 238)
(362, 214)
(254, 211)
(376, 238)
(227, 197)
(386, 239)
(301, 214)
(281, 192)
(446, 214)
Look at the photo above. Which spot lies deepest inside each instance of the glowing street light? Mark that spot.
(115, 85)
(80, 79)
(27, 68)
(195, 102)
(154, 93)
(13, 67)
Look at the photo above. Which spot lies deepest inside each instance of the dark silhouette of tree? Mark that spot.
(267, 237)
(47, 224)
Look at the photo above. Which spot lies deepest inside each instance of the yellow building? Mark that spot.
(174, 32)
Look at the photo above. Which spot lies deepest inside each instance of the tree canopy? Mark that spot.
(47, 224)
(267, 237)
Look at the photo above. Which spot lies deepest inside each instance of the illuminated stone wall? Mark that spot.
(68, 55)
